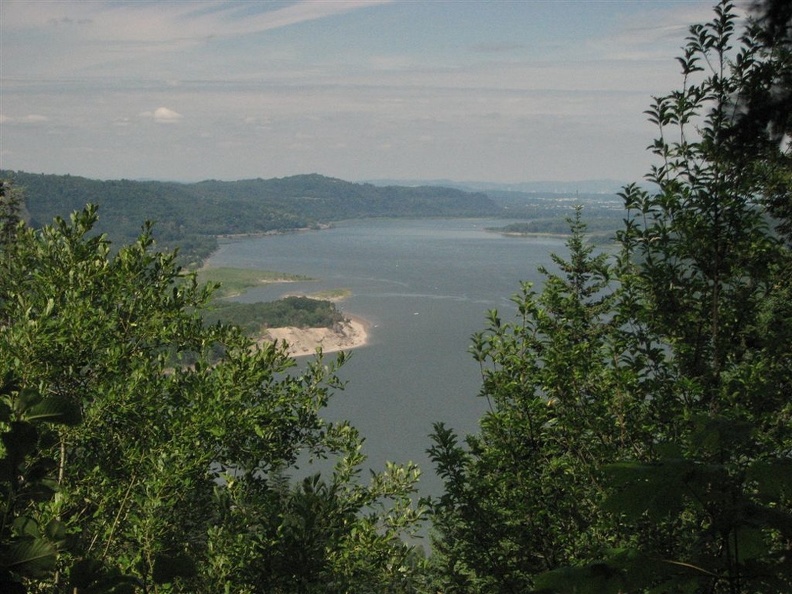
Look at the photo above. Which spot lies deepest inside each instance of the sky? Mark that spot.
(463, 90)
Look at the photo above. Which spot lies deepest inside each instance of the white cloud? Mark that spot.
(32, 118)
(176, 21)
(653, 33)
(107, 40)
(298, 12)
(163, 115)
(98, 68)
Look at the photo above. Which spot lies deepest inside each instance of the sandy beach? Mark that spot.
(351, 334)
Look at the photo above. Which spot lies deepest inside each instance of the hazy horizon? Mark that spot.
(540, 186)
(502, 92)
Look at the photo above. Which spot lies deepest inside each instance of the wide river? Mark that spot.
(425, 287)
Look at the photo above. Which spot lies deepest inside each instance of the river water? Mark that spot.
(425, 287)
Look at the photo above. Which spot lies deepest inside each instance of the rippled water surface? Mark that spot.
(425, 286)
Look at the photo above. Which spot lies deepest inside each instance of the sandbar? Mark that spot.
(350, 334)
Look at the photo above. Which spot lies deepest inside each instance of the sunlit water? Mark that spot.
(425, 287)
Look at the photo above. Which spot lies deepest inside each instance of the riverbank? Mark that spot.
(350, 334)
(254, 234)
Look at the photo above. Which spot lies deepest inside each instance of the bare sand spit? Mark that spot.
(350, 334)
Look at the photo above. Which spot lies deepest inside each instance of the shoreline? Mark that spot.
(271, 232)
(302, 342)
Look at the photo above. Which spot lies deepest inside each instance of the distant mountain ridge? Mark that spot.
(190, 215)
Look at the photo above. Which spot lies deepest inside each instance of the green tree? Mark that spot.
(686, 433)
(521, 497)
(320, 535)
(28, 549)
(763, 108)
(714, 287)
(706, 259)
(175, 416)
(10, 212)
(709, 499)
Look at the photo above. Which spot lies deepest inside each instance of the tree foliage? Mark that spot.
(639, 437)
(301, 312)
(522, 497)
(176, 477)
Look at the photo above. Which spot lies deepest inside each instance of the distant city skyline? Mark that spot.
(500, 91)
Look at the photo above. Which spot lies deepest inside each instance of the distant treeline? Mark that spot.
(190, 216)
(556, 226)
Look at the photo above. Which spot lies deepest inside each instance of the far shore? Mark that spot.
(253, 234)
(350, 334)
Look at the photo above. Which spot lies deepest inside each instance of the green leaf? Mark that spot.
(26, 398)
(55, 531)
(713, 433)
(54, 410)
(26, 526)
(32, 557)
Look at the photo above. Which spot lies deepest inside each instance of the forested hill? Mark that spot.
(190, 215)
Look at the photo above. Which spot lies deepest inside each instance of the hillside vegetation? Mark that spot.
(191, 215)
